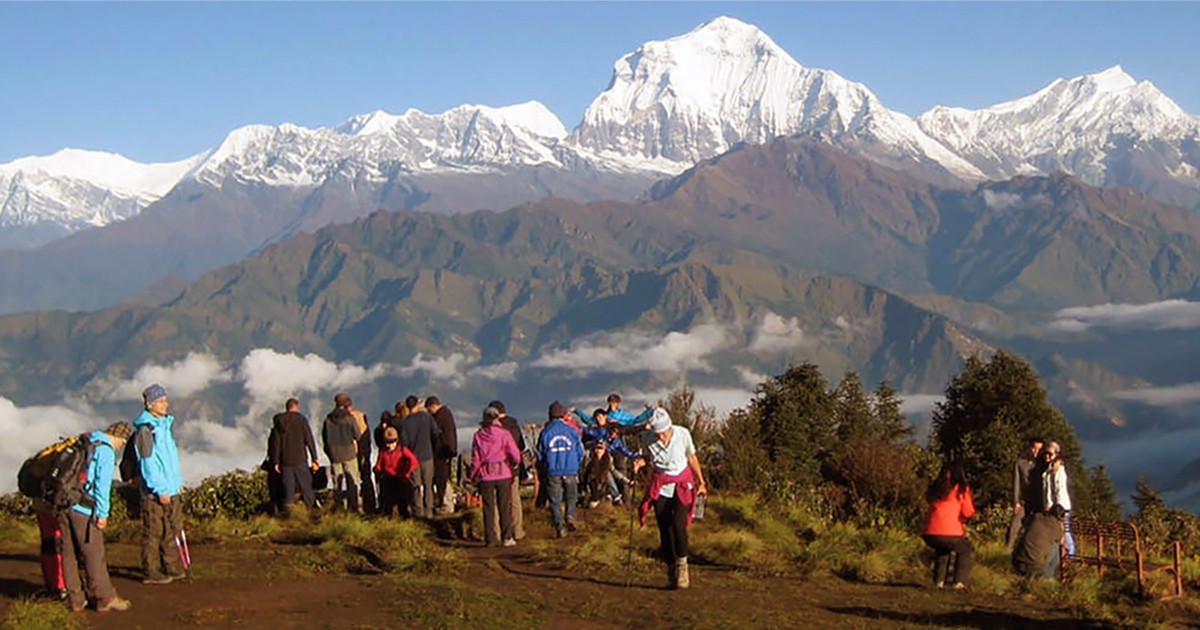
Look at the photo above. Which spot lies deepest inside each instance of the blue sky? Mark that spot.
(163, 81)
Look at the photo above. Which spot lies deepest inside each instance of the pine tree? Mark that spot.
(795, 413)
(1103, 504)
(891, 420)
(853, 415)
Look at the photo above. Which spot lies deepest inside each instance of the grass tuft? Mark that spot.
(34, 614)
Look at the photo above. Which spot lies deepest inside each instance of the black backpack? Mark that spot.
(130, 468)
(58, 474)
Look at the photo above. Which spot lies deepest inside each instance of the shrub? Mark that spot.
(236, 494)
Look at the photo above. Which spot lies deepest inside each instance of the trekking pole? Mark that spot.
(185, 554)
(629, 548)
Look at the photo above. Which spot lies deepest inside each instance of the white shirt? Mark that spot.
(670, 458)
(1054, 482)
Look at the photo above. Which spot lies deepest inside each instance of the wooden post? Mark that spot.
(1178, 569)
(1099, 552)
(1137, 550)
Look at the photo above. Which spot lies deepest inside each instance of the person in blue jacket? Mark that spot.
(624, 418)
(83, 526)
(599, 430)
(560, 453)
(161, 480)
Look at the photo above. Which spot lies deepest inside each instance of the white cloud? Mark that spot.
(913, 404)
(28, 429)
(749, 377)
(270, 377)
(502, 372)
(775, 335)
(1174, 396)
(1001, 201)
(449, 368)
(632, 352)
(722, 399)
(1165, 315)
(184, 377)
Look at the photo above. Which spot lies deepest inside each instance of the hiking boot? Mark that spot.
(682, 579)
(672, 576)
(112, 604)
(560, 532)
(158, 579)
(959, 586)
(510, 543)
(593, 505)
(571, 524)
(939, 585)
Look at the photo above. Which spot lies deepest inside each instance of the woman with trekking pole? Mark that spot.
(675, 483)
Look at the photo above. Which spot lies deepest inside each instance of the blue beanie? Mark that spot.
(153, 393)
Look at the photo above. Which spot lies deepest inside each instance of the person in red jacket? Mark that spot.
(950, 503)
(394, 465)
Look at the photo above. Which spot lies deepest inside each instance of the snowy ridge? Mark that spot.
(75, 188)
(1069, 125)
(692, 97)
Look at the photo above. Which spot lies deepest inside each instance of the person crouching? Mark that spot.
(494, 457)
(676, 481)
(394, 465)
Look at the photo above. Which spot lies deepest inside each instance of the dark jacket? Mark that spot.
(291, 440)
(340, 435)
(1027, 485)
(1032, 553)
(447, 438)
(418, 432)
(514, 427)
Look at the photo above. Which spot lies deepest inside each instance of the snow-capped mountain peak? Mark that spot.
(677, 101)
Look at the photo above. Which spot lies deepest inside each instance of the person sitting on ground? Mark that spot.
(83, 525)
(675, 483)
(394, 465)
(560, 454)
(494, 458)
(608, 433)
(597, 473)
(950, 503)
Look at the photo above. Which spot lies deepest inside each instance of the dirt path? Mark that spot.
(257, 584)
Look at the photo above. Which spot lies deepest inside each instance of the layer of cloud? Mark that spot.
(914, 404)
(776, 334)
(499, 372)
(1174, 396)
(633, 352)
(187, 376)
(1001, 201)
(1165, 315)
(28, 429)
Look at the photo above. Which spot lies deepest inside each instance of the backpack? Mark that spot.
(58, 474)
(130, 468)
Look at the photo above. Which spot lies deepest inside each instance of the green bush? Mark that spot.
(237, 494)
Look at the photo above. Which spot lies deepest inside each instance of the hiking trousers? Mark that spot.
(160, 525)
(395, 493)
(346, 482)
(561, 488)
(441, 481)
(82, 542)
(51, 556)
(515, 509)
(942, 547)
(422, 479)
(672, 518)
(298, 477)
(497, 498)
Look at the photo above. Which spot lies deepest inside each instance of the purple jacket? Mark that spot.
(494, 454)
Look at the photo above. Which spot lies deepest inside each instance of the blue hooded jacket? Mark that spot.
(626, 419)
(160, 469)
(100, 476)
(559, 449)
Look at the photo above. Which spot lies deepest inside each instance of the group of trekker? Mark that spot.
(72, 536)
(1041, 521)
(416, 444)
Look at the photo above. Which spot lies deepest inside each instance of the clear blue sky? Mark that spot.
(165, 80)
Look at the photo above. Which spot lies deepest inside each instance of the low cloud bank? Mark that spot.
(191, 374)
(914, 404)
(633, 352)
(1174, 396)
(1165, 315)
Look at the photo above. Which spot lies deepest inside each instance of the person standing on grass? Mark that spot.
(560, 453)
(676, 480)
(445, 450)
(494, 458)
(294, 455)
(419, 432)
(83, 525)
(339, 434)
(1056, 501)
(1026, 492)
(513, 427)
(950, 503)
(394, 466)
(161, 480)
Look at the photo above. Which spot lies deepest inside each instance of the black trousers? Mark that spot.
(395, 493)
(672, 528)
(943, 546)
(497, 509)
(441, 478)
(298, 477)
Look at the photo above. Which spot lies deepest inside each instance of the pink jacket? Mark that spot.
(494, 454)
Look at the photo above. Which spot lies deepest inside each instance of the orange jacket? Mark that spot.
(947, 515)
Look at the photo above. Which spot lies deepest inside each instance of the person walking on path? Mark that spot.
(494, 458)
(339, 434)
(950, 503)
(675, 483)
(83, 525)
(419, 432)
(294, 455)
(514, 428)
(1026, 492)
(445, 449)
(394, 466)
(560, 453)
(161, 480)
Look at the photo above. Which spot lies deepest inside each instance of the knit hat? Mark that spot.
(153, 393)
(557, 410)
(660, 421)
(390, 433)
(120, 430)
